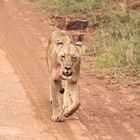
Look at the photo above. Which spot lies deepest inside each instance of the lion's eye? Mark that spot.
(74, 58)
(79, 44)
(62, 56)
(60, 43)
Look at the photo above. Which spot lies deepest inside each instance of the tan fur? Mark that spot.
(63, 59)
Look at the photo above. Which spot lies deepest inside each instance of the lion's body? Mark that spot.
(63, 59)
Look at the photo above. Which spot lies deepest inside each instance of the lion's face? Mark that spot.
(68, 57)
(64, 55)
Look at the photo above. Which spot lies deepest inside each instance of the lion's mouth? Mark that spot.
(67, 74)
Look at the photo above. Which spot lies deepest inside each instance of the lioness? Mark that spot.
(63, 59)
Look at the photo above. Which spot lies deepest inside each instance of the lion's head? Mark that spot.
(67, 53)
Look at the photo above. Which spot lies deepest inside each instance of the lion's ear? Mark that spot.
(80, 47)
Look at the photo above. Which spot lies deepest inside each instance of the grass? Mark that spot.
(117, 41)
(119, 44)
(68, 6)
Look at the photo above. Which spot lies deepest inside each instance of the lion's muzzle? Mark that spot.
(67, 73)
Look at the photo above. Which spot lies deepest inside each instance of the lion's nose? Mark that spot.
(68, 68)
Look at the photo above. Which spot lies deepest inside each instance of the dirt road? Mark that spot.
(25, 111)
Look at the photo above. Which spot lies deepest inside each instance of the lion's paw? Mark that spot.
(57, 118)
(66, 112)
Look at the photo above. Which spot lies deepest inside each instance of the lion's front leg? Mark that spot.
(67, 97)
(74, 93)
(50, 95)
(57, 115)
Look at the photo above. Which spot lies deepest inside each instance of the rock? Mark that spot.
(77, 24)
(68, 22)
